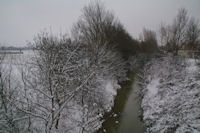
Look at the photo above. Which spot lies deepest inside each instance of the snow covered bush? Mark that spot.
(171, 101)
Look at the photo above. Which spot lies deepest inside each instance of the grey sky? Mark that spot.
(20, 20)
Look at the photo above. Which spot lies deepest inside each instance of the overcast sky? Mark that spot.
(21, 20)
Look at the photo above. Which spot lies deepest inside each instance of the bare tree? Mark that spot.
(94, 23)
(174, 35)
(50, 81)
(192, 34)
(165, 34)
(179, 30)
(182, 33)
(58, 78)
(99, 24)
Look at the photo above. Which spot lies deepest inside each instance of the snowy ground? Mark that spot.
(171, 95)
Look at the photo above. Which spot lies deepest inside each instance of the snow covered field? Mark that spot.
(171, 95)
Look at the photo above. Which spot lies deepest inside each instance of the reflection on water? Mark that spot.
(125, 115)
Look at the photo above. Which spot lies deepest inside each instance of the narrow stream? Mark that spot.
(125, 116)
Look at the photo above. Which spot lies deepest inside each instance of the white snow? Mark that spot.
(109, 86)
(191, 65)
(171, 95)
(152, 87)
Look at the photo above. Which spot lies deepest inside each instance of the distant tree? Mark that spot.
(192, 40)
(179, 29)
(174, 35)
(165, 34)
(182, 33)
(148, 41)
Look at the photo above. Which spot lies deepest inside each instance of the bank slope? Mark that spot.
(171, 95)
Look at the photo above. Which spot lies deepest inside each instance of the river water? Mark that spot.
(125, 116)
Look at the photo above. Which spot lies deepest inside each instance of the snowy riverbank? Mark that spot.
(171, 95)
